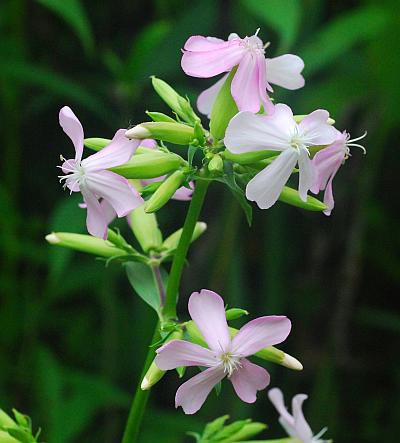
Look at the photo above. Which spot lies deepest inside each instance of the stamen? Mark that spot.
(258, 30)
(356, 145)
(320, 433)
(266, 45)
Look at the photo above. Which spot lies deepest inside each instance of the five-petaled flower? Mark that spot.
(225, 356)
(295, 425)
(209, 56)
(91, 177)
(327, 163)
(248, 132)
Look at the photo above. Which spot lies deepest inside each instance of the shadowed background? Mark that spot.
(73, 335)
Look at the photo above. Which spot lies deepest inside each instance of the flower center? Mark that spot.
(230, 362)
(254, 44)
(75, 174)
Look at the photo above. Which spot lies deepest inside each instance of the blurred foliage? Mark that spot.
(73, 336)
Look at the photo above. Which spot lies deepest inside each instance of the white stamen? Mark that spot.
(356, 145)
(230, 362)
(320, 434)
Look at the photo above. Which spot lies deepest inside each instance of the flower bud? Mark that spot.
(145, 229)
(171, 242)
(154, 374)
(177, 103)
(5, 420)
(177, 133)
(248, 157)
(223, 110)
(235, 313)
(160, 117)
(216, 164)
(249, 430)
(5, 437)
(85, 243)
(165, 191)
(96, 143)
(299, 118)
(292, 197)
(150, 165)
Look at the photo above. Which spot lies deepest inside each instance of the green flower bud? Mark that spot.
(85, 243)
(96, 143)
(150, 165)
(165, 191)
(216, 164)
(248, 157)
(299, 118)
(177, 133)
(177, 103)
(5, 420)
(292, 197)
(235, 313)
(145, 229)
(5, 437)
(160, 117)
(171, 242)
(249, 430)
(154, 374)
(223, 109)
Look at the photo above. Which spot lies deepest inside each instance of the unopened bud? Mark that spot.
(145, 229)
(5, 420)
(150, 165)
(85, 243)
(166, 190)
(248, 157)
(96, 143)
(177, 133)
(216, 164)
(235, 313)
(5, 437)
(160, 117)
(248, 431)
(299, 118)
(292, 197)
(171, 242)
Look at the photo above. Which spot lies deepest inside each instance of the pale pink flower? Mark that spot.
(295, 425)
(284, 71)
(225, 356)
(92, 178)
(327, 163)
(209, 56)
(279, 132)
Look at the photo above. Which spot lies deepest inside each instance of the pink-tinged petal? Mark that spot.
(302, 428)
(263, 85)
(216, 60)
(208, 312)
(183, 193)
(307, 174)
(108, 211)
(73, 128)
(285, 71)
(245, 90)
(178, 353)
(192, 394)
(315, 130)
(276, 397)
(148, 143)
(248, 379)
(328, 195)
(199, 43)
(116, 190)
(326, 161)
(206, 99)
(118, 152)
(248, 132)
(96, 222)
(261, 333)
(266, 187)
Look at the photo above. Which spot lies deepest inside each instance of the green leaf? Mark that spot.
(283, 16)
(143, 282)
(340, 35)
(73, 13)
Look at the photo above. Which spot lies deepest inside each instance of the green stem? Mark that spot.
(140, 399)
(169, 310)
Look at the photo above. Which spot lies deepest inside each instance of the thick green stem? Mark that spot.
(169, 310)
(138, 406)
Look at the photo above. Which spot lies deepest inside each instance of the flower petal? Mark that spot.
(248, 379)
(178, 353)
(303, 429)
(307, 174)
(96, 222)
(183, 193)
(244, 86)
(148, 143)
(207, 57)
(267, 185)
(206, 99)
(115, 189)
(326, 161)
(248, 132)
(118, 152)
(208, 312)
(315, 130)
(192, 394)
(263, 85)
(276, 397)
(285, 71)
(73, 128)
(260, 333)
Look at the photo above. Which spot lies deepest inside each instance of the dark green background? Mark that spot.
(73, 335)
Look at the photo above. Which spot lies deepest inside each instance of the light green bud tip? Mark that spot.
(5, 437)
(167, 189)
(6, 420)
(177, 133)
(216, 164)
(85, 243)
